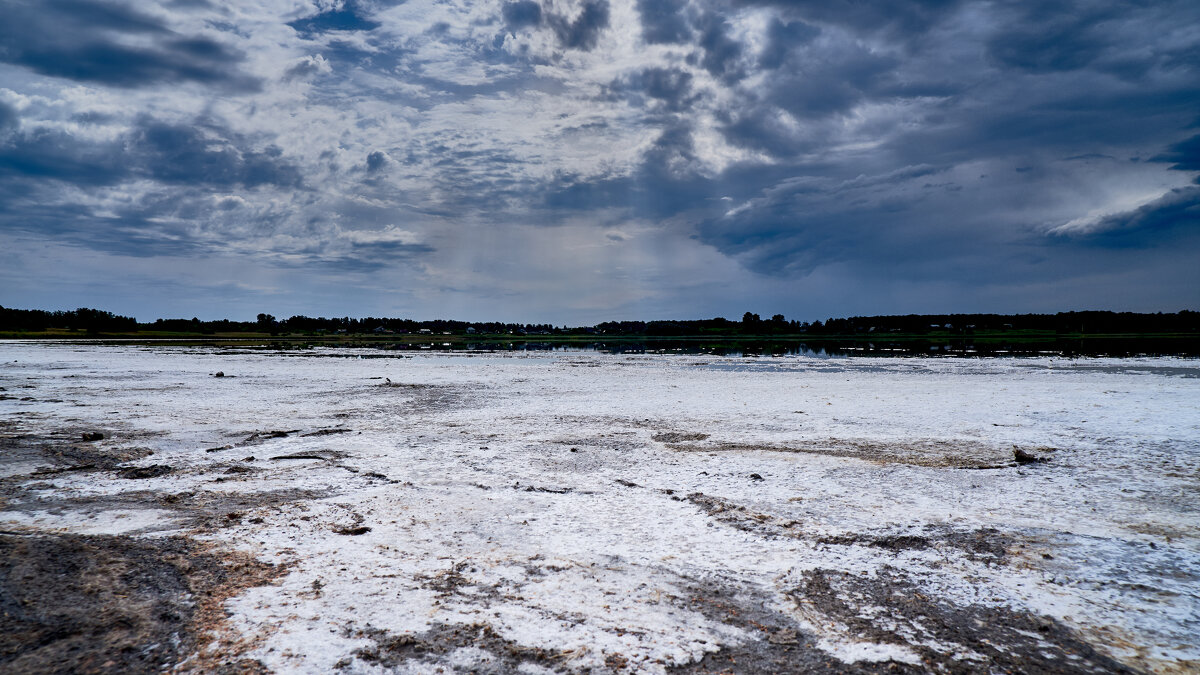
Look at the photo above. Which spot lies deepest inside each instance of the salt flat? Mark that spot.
(573, 511)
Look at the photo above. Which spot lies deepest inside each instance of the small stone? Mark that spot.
(139, 472)
(1023, 457)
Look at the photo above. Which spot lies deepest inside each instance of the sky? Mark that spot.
(577, 161)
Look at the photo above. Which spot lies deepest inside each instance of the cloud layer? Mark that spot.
(582, 160)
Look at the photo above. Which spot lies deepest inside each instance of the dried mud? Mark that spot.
(927, 453)
(885, 609)
(483, 651)
(114, 604)
(65, 449)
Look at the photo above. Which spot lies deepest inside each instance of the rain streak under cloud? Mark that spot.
(574, 162)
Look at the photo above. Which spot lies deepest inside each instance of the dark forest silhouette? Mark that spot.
(94, 321)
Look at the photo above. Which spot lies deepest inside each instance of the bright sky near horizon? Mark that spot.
(573, 161)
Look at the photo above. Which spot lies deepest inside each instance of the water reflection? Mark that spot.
(822, 349)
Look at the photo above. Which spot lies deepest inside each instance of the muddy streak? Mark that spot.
(986, 545)
(490, 653)
(882, 610)
(196, 510)
(775, 644)
(65, 449)
(889, 609)
(112, 604)
(955, 454)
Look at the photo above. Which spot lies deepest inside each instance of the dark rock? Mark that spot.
(755, 476)
(219, 373)
(260, 436)
(326, 432)
(1024, 457)
(138, 472)
(93, 436)
(327, 455)
(352, 531)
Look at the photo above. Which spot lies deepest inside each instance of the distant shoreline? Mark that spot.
(416, 338)
(1014, 343)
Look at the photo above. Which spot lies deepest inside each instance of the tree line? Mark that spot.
(90, 320)
(1089, 322)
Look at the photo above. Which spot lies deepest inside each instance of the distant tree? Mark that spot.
(266, 323)
(750, 322)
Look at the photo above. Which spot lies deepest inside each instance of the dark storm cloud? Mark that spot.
(670, 87)
(1052, 84)
(946, 140)
(584, 30)
(899, 19)
(811, 220)
(84, 40)
(521, 14)
(842, 77)
(134, 229)
(376, 161)
(177, 166)
(349, 17)
(44, 154)
(1183, 156)
(664, 21)
(1052, 36)
(206, 155)
(8, 116)
(663, 186)
(1165, 219)
(722, 54)
(203, 155)
(783, 37)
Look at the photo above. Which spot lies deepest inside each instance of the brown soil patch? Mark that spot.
(112, 604)
(434, 645)
(885, 610)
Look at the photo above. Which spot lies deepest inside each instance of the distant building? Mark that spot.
(470, 330)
